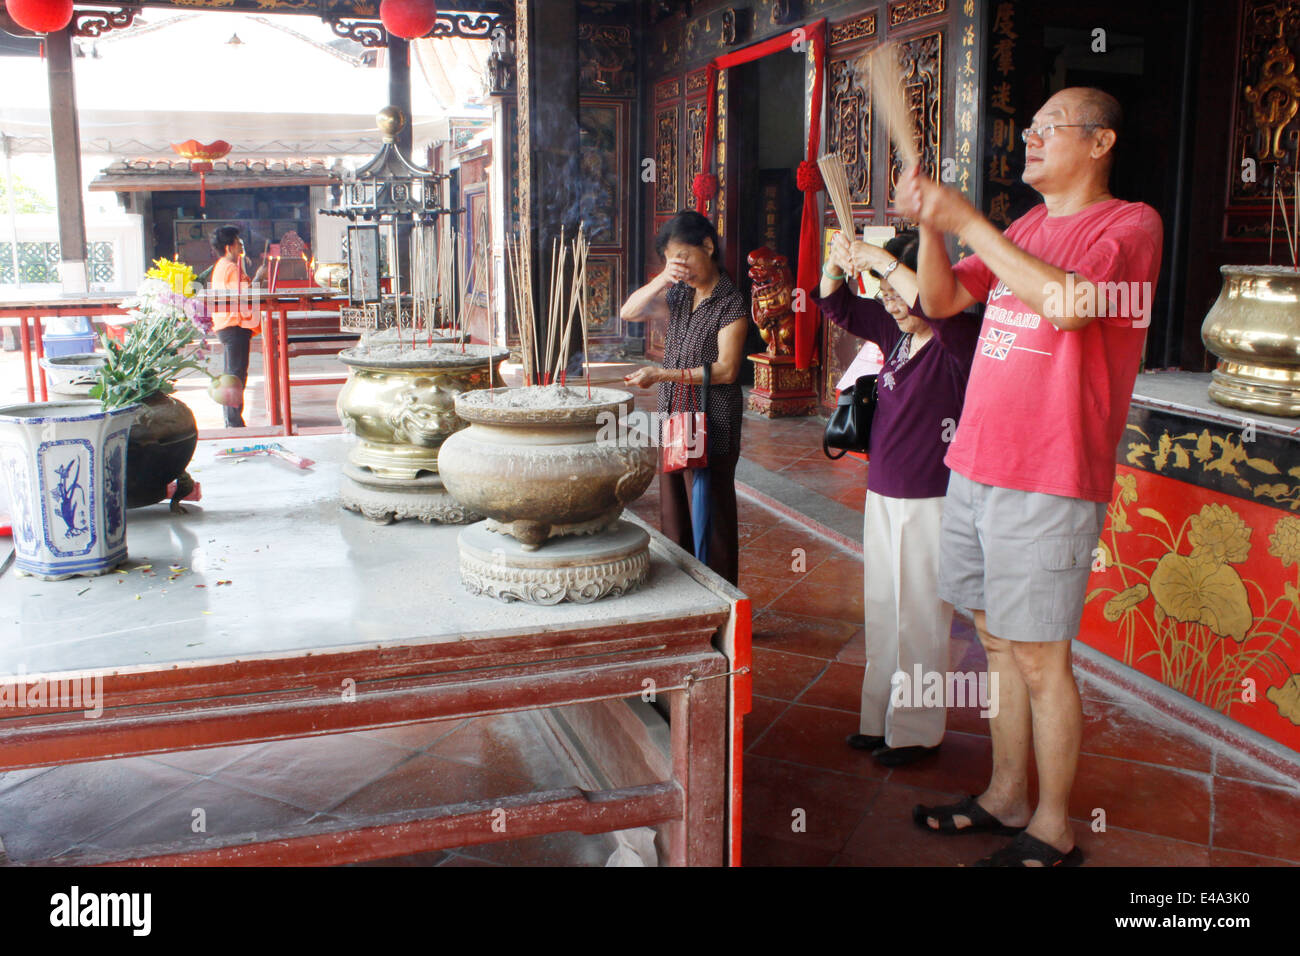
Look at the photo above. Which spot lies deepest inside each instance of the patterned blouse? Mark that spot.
(692, 340)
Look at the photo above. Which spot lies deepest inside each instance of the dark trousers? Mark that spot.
(724, 532)
(234, 341)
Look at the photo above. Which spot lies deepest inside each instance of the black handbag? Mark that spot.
(849, 428)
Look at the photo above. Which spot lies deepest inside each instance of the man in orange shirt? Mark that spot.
(234, 329)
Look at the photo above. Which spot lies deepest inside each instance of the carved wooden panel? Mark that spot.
(1267, 121)
(697, 82)
(862, 28)
(668, 89)
(849, 125)
(696, 114)
(905, 11)
(921, 63)
(667, 123)
(606, 61)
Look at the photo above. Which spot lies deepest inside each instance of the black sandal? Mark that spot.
(1025, 849)
(981, 821)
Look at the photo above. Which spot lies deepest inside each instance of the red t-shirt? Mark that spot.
(1045, 409)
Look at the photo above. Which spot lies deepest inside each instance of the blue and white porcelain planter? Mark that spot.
(64, 464)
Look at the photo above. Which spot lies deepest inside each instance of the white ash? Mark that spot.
(542, 396)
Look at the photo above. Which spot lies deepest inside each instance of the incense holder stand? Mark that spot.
(545, 461)
(400, 404)
(1254, 330)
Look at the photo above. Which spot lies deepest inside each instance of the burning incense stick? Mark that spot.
(1286, 227)
(1272, 220)
(837, 185)
(887, 92)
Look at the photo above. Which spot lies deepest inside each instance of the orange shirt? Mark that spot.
(231, 276)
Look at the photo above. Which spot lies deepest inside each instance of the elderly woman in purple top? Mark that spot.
(921, 389)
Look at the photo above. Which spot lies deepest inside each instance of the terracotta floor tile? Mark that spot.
(755, 513)
(1236, 858)
(747, 531)
(512, 744)
(815, 737)
(854, 498)
(456, 860)
(840, 688)
(831, 803)
(553, 849)
(436, 858)
(840, 572)
(1230, 764)
(428, 781)
(414, 736)
(762, 591)
(1256, 819)
(47, 814)
(961, 766)
(822, 600)
(886, 836)
(783, 538)
(765, 712)
(314, 773)
(854, 650)
(207, 761)
(770, 455)
(760, 850)
(1113, 730)
(783, 676)
(815, 637)
(1143, 797)
(227, 813)
(1119, 847)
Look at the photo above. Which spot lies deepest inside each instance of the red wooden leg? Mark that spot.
(282, 360)
(699, 766)
(268, 366)
(39, 337)
(25, 338)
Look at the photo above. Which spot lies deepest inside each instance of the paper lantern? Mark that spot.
(201, 156)
(40, 16)
(408, 19)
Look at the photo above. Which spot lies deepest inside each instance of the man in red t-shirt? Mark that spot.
(1068, 292)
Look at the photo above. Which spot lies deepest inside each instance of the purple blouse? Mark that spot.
(920, 400)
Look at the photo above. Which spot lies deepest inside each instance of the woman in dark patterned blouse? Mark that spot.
(707, 324)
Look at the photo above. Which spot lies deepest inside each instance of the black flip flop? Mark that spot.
(1025, 848)
(981, 821)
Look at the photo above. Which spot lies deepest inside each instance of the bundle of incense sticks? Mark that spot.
(267, 448)
(837, 185)
(545, 362)
(887, 93)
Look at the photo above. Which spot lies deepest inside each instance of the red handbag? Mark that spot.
(686, 433)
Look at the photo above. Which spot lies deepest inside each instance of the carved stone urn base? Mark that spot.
(580, 569)
(387, 500)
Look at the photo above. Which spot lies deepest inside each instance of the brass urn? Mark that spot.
(1254, 329)
(400, 403)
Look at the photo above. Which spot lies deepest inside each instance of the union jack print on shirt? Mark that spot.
(997, 344)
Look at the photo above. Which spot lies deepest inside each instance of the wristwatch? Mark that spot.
(885, 272)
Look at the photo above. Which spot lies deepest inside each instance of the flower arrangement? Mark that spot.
(165, 340)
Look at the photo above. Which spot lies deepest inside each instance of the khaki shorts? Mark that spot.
(1021, 557)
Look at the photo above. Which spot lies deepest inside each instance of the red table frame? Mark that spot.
(186, 707)
(30, 314)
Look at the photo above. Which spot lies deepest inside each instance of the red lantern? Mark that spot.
(201, 156)
(40, 16)
(408, 19)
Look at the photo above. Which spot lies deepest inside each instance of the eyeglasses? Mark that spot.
(882, 296)
(1046, 132)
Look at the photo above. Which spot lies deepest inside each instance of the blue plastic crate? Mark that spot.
(57, 344)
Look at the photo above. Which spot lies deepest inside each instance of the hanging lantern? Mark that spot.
(201, 157)
(408, 19)
(40, 16)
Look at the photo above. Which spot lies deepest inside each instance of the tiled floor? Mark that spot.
(1166, 795)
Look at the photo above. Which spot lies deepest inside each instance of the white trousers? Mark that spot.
(906, 622)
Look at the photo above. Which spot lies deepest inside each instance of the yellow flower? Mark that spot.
(1128, 492)
(1284, 542)
(1124, 601)
(176, 274)
(1219, 533)
(1287, 698)
(1202, 591)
